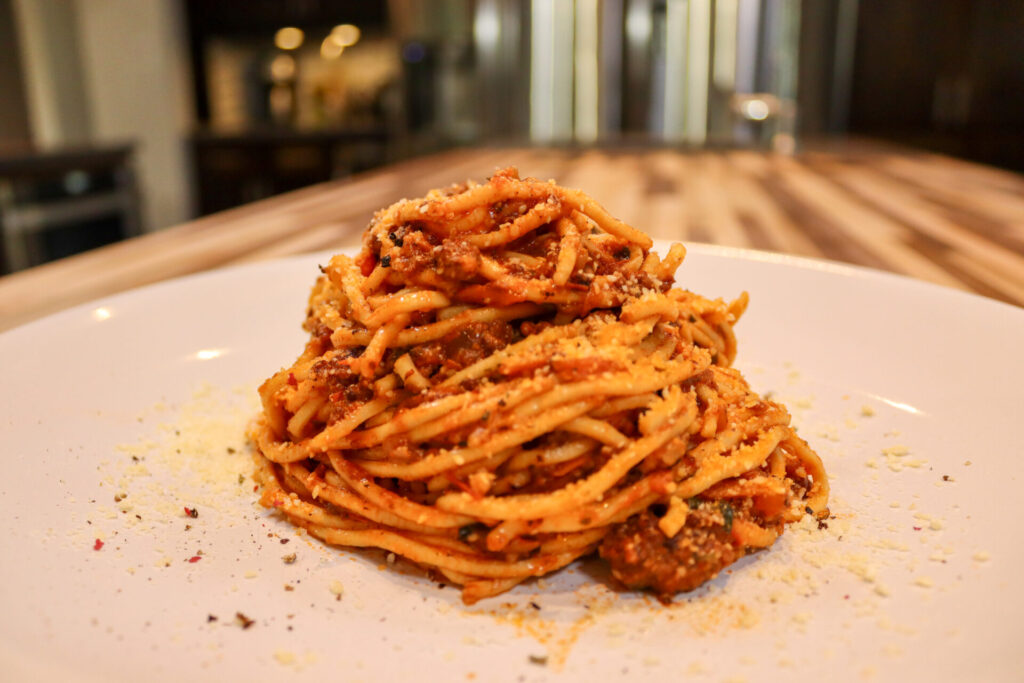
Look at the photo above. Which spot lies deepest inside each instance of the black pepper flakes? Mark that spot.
(386, 262)
(210, 618)
(244, 621)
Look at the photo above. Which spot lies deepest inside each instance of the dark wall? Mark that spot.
(943, 74)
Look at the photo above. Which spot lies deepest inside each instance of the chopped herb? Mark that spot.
(466, 531)
(693, 318)
(534, 605)
(244, 621)
(231, 450)
(808, 510)
(622, 253)
(694, 502)
(241, 478)
(486, 416)
(385, 262)
(539, 660)
(727, 514)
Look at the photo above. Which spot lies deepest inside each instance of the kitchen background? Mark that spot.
(119, 117)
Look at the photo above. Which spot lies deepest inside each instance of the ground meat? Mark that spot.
(641, 556)
(416, 253)
(463, 347)
(344, 386)
(458, 260)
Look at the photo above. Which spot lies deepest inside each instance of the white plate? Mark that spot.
(916, 577)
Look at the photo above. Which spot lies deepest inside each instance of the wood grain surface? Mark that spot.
(927, 216)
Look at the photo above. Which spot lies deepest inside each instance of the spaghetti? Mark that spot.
(505, 380)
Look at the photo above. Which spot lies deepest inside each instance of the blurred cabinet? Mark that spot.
(58, 203)
(231, 170)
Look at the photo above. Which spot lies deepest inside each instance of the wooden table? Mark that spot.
(928, 216)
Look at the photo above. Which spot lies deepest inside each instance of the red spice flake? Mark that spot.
(97, 545)
(191, 512)
(917, 528)
(462, 485)
(292, 382)
(194, 559)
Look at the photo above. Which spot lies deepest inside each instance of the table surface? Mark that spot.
(928, 216)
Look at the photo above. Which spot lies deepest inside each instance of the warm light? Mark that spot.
(345, 35)
(330, 49)
(289, 38)
(638, 23)
(101, 314)
(486, 26)
(282, 68)
(756, 110)
(208, 354)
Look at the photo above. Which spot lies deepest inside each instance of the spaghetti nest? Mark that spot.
(504, 380)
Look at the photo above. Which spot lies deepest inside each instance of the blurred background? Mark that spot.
(119, 117)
